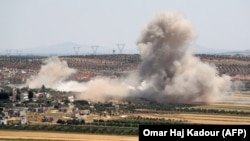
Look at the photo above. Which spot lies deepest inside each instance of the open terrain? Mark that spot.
(203, 118)
(63, 136)
(239, 101)
(17, 70)
(227, 104)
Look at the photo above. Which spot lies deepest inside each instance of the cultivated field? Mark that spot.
(63, 136)
(203, 118)
(237, 102)
(110, 65)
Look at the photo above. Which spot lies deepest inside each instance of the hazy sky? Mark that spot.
(219, 24)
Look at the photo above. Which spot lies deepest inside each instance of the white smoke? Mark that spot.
(104, 89)
(54, 74)
(169, 72)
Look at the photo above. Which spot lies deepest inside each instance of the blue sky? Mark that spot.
(25, 24)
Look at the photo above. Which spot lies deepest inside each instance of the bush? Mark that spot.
(59, 121)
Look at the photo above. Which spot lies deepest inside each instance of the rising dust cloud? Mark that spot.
(53, 71)
(168, 72)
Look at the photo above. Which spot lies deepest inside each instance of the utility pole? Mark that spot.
(19, 52)
(120, 47)
(94, 49)
(76, 49)
(8, 51)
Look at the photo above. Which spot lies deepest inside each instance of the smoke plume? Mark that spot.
(103, 89)
(53, 74)
(169, 71)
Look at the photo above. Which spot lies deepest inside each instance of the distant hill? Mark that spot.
(245, 52)
(66, 48)
(205, 50)
(69, 48)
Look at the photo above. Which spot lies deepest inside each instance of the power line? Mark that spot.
(76, 49)
(8, 51)
(19, 52)
(121, 47)
(94, 49)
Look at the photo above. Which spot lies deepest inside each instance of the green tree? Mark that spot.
(18, 97)
(43, 88)
(30, 94)
(60, 121)
(66, 101)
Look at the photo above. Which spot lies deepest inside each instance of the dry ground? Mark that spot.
(203, 118)
(239, 101)
(63, 136)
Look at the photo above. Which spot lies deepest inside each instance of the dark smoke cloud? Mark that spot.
(169, 71)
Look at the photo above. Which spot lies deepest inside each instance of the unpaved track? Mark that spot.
(63, 136)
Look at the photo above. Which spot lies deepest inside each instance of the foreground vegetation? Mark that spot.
(127, 126)
(142, 105)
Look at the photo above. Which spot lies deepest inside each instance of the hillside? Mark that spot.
(18, 69)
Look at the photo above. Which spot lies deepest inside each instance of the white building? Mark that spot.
(3, 121)
(71, 98)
